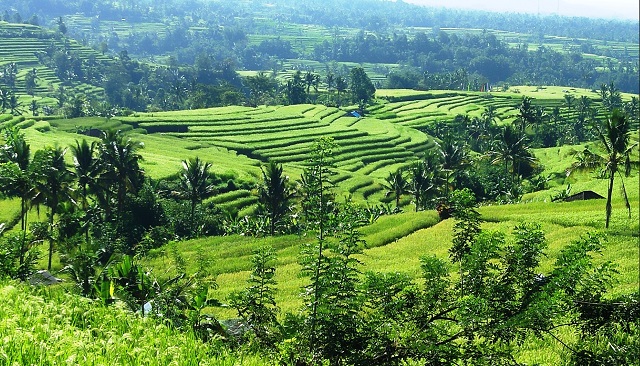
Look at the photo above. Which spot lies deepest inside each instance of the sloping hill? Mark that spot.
(27, 46)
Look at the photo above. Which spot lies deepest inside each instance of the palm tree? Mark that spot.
(87, 171)
(195, 182)
(633, 110)
(121, 165)
(615, 138)
(330, 80)
(526, 113)
(489, 115)
(53, 185)
(16, 150)
(510, 148)
(396, 184)
(5, 95)
(341, 86)
(584, 104)
(421, 182)
(273, 194)
(87, 167)
(569, 99)
(455, 160)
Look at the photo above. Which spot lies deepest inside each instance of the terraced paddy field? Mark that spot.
(366, 147)
(21, 44)
(238, 139)
(395, 243)
(603, 49)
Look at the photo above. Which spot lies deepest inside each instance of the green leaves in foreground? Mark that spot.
(256, 305)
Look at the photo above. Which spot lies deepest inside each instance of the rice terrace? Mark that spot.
(245, 183)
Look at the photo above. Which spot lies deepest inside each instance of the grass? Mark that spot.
(49, 327)
(395, 244)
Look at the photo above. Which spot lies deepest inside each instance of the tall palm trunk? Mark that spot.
(612, 170)
(53, 212)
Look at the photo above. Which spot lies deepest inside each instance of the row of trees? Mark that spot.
(131, 85)
(369, 15)
(471, 151)
(433, 61)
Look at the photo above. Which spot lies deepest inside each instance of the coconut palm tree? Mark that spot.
(341, 87)
(526, 113)
(422, 181)
(120, 159)
(87, 167)
(274, 195)
(87, 170)
(455, 160)
(16, 150)
(195, 182)
(53, 185)
(511, 148)
(396, 184)
(489, 115)
(569, 100)
(614, 136)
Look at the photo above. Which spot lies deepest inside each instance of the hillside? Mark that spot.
(236, 140)
(28, 47)
(305, 184)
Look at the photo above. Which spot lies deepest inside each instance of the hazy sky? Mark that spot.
(623, 9)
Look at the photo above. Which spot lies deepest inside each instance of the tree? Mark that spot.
(30, 81)
(614, 136)
(120, 159)
(611, 97)
(87, 167)
(341, 87)
(33, 107)
(632, 108)
(262, 88)
(569, 100)
(5, 95)
(15, 105)
(455, 160)
(362, 89)
(310, 79)
(53, 185)
(396, 184)
(423, 178)
(62, 28)
(87, 170)
(317, 207)
(526, 114)
(9, 75)
(257, 304)
(17, 177)
(510, 147)
(295, 89)
(195, 182)
(273, 195)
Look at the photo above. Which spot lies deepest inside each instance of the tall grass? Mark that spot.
(51, 327)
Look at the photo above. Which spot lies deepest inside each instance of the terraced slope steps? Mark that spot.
(367, 149)
(23, 43)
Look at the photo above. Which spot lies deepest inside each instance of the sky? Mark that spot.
(618, 9)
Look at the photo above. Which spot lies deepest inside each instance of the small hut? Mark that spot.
(583, 196)
(44, 278)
